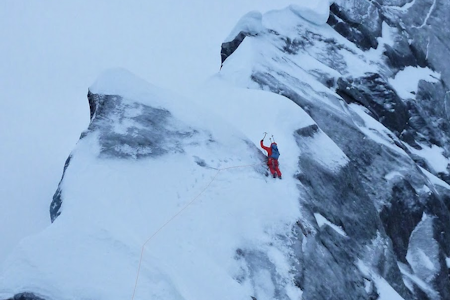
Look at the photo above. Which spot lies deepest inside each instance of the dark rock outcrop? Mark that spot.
(147, 131)
(129, 130)
(365, 37)
(229, 47)
(373, 92)
(249, 26)
(55, 206)
(26, 296)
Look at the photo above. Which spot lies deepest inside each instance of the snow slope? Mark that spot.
(52, 51)
(114, 206)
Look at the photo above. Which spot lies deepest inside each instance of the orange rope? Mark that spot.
(176, 215)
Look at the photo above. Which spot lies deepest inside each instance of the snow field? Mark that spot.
(54, 50)
(111, 207)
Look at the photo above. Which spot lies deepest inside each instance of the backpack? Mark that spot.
(275, 152)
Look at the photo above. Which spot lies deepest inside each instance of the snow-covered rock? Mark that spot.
(248, 25)
(316, 12)
(165, 197)
(423, 253)
(353, 95)
(156, 173)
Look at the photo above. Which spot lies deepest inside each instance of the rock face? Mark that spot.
(419, 39)
(351, 26)
(384, 199)
(374, 93)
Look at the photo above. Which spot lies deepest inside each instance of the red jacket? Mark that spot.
(268, 149)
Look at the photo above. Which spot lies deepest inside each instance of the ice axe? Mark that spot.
(265, 133)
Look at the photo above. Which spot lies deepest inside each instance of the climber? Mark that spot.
(273, 154)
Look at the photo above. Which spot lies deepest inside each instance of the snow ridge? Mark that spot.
(174, 191)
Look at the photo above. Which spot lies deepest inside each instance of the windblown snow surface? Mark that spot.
(230, 240)
(112, 207)
(53, 50)
(166, 196)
